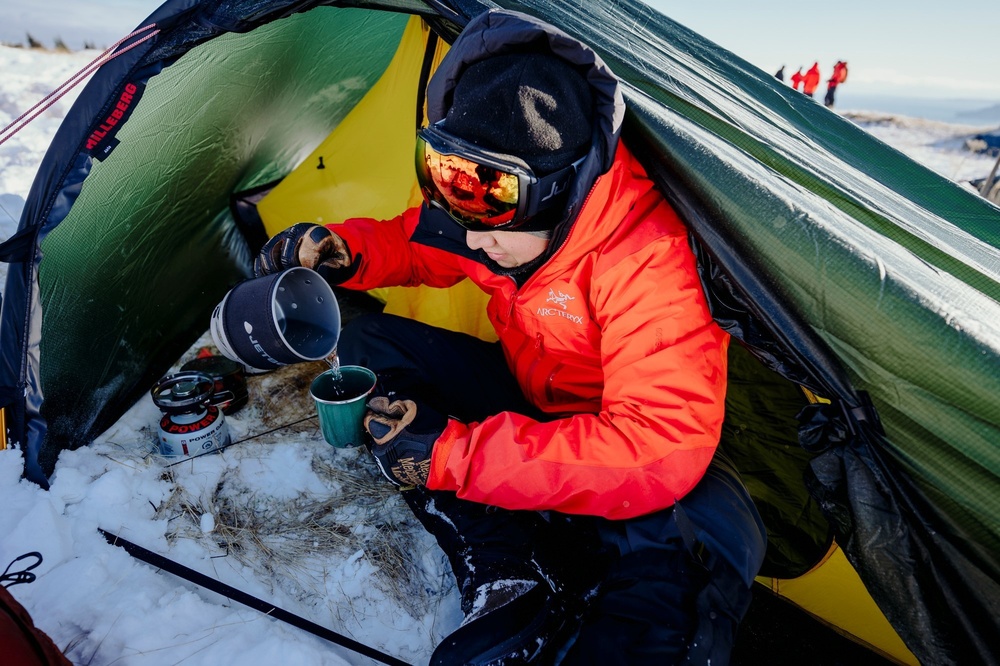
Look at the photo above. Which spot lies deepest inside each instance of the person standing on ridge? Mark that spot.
(839, 76)
(577, 485)
(811, 80)
(780, 74)
(797, 79)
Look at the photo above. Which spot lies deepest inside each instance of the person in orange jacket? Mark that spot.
(811, 80)
(797, 78)
(840, 71)
(839, 76)
(577, 484)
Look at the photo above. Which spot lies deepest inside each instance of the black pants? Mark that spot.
(831, 92)
(671, 587)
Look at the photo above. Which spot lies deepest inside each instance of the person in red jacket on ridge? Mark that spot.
(839, 76)
(577, 485)
(797, 78)
(811, 80)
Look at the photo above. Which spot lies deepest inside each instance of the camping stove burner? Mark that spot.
(190, 425)
(183, 393)
(231, 393)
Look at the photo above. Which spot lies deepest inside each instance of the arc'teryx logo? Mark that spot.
(561, 299)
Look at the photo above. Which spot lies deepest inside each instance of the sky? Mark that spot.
(893, 47)
(280, 515)
(101, 22)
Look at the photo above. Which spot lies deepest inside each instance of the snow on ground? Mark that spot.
(280, 515)
(937, 145)
(283, 516)
(28, 76)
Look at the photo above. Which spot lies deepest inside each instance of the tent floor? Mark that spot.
(778, 633)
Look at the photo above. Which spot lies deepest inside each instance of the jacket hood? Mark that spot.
(499, 32)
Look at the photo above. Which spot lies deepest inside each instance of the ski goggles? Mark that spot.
(482, 190)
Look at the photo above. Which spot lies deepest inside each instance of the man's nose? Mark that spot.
(477, 240)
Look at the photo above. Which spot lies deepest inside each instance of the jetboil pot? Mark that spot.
(191, 424)
(278, 319)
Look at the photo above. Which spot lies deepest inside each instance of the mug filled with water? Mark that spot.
(341, 394)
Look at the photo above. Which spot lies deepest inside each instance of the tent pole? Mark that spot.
(3, 428)
(988, 183)
(198, 578)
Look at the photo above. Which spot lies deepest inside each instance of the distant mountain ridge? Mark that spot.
(968, 111)
(988, 114)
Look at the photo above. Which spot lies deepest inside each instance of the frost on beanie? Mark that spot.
(531, 105)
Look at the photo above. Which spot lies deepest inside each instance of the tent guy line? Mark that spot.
(109, 54)
(245, 439)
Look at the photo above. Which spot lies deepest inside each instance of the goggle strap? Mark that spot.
(548, 189)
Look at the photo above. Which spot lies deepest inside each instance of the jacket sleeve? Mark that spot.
(387, 258)
(664, 362)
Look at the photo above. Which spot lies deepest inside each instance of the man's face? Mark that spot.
(507, 248)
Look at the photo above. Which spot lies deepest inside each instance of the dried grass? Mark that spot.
(296, 543)
(292, 542)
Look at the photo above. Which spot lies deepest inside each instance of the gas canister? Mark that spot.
(191, 425)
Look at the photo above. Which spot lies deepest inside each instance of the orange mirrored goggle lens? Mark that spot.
(469, 191)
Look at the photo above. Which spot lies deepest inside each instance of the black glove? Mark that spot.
(309, 245)
(403, 437)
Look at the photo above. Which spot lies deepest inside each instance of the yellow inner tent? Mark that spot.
(368, 171)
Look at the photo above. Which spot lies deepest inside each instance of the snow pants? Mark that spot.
(665, 588)
(831, 92)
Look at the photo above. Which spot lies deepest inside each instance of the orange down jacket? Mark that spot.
(811, 80)
(612, 336)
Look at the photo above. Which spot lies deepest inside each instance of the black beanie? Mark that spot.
(531, 105)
